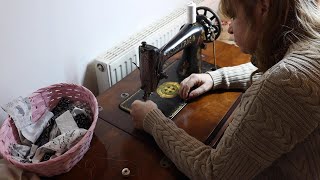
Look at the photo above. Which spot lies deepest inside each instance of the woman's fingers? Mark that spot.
(198, 91)
(139, 110)
(204, 81)
(186, 85)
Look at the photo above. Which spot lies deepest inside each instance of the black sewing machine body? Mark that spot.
(190, 39)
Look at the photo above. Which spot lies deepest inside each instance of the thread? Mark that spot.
(214, 52)
(191, 13)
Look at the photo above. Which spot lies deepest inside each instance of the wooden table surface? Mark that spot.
(117, 145)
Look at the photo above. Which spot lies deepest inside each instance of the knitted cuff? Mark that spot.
(216, 77)
(152, 118)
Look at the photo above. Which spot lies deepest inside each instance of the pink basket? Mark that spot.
(48, 98)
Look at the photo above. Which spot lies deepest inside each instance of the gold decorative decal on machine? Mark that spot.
(168, 89)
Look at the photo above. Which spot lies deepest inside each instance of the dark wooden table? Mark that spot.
(117, 145)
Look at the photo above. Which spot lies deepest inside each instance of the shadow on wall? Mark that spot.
(90, 78)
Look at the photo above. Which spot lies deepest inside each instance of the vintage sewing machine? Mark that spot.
(191, 39)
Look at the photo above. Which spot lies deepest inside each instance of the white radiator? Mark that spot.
(116, 63)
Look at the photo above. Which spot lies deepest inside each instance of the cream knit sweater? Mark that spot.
(275, 130)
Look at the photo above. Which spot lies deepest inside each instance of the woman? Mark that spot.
(275, 130)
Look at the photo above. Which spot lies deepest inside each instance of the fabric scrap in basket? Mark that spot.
(60, 144)
(65, 122)
(20, 111)
(58, 130)
(22, 153)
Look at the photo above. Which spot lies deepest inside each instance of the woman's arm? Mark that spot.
(235, 77)
(268, 122)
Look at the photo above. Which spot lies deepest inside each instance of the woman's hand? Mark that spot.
(139, 110)
(203, 82)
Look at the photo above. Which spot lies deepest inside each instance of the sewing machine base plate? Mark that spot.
(166, 97)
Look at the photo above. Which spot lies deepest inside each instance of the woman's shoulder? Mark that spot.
(307, 48)
(297, 74)
(295, 77)
(302, 62)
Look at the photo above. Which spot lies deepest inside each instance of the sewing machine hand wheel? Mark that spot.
(210, 21)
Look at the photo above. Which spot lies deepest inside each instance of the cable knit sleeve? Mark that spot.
(235, 77)
(276, 112)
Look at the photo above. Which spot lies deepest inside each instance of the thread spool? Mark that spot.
(125, 172)
(191, 13)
